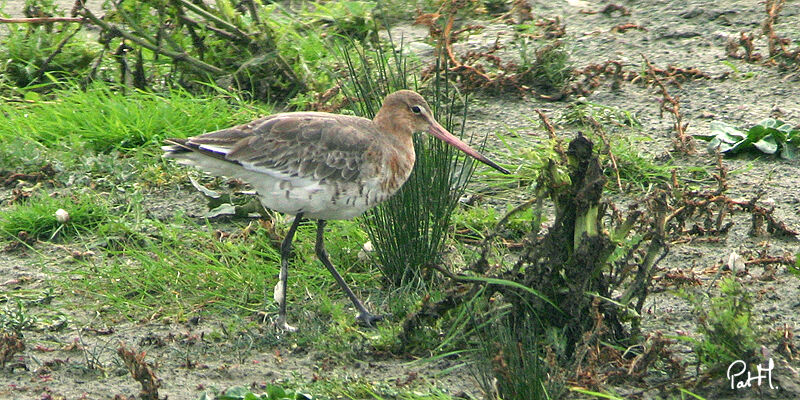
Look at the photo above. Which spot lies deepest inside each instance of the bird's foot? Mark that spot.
(367, 319)
(282, 325)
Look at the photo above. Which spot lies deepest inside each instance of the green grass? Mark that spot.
(638, 170)
(14, 317)
(333, 387)
(37, 216)
(180, 269)
(550, 71)
(139, 259)
(109, 141)
(101, 119)
(472, 223)
(510, 361)
(179, 273)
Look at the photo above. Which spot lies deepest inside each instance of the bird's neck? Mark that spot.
(391, 126)
(401, 134)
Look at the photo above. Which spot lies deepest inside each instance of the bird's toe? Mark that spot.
(368, 319)
(284, 326)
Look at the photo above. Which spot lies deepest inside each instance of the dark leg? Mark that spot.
(280, 288)
(364, 316)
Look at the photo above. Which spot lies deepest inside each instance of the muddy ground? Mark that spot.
(682, 33)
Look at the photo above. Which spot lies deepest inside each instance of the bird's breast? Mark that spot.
(394, 170)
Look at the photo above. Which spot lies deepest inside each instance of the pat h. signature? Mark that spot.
(740, 377)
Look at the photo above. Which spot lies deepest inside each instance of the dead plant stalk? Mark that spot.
(683, 142)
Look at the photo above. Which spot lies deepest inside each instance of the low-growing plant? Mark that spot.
(726, 325)
(636, 169)
(228, 275)
(736, 73)
(770, 136)
(38, 54)
(16, 318)
(549, 71)
(573, 270)
(474, 222)
(619, 130)
(511, 360)
(272, 392)
(352, 19)
(409, 229)
(528, 159)
(581, 111)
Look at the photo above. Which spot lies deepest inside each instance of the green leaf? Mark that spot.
(275, 392)
(704, 137)
(724, 137)
(717, 143)
(767, 145)
(769, 123)
(789, 152)
(32, 96)
(727, 133)
(504, 282)
(785, 128)
(766, 127)
(769, 136)
(235, 393)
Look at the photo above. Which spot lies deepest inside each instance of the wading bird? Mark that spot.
(320, 166)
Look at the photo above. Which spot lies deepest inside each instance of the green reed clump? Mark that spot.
(408, 230)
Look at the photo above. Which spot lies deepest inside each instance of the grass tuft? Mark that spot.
(37, 216)
(727, 326)
(101, 119)
(510, 359)
(38, 55)
(550, 71)
(409, 229)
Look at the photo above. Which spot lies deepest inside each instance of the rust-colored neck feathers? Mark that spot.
(398, 122)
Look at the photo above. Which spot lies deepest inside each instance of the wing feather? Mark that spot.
(297, 145)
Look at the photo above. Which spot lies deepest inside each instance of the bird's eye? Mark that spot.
(416, 109)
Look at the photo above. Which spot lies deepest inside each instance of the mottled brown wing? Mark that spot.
(296, 145)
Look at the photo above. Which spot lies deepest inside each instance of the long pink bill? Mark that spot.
(442, 134)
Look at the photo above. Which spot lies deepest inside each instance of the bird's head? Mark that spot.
(407, 111)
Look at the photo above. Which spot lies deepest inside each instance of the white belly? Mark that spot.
(318, 201)
(298, 195)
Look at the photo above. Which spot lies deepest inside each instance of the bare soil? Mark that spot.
(683, 33)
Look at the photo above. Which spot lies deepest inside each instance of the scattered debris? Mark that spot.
(45, 174)
(609, 9)
(779, 52)
(779, 46)
(141, 371)
(621, 28)
(11, 343)
(746, 41)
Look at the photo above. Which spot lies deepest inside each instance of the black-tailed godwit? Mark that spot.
(320, 166)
